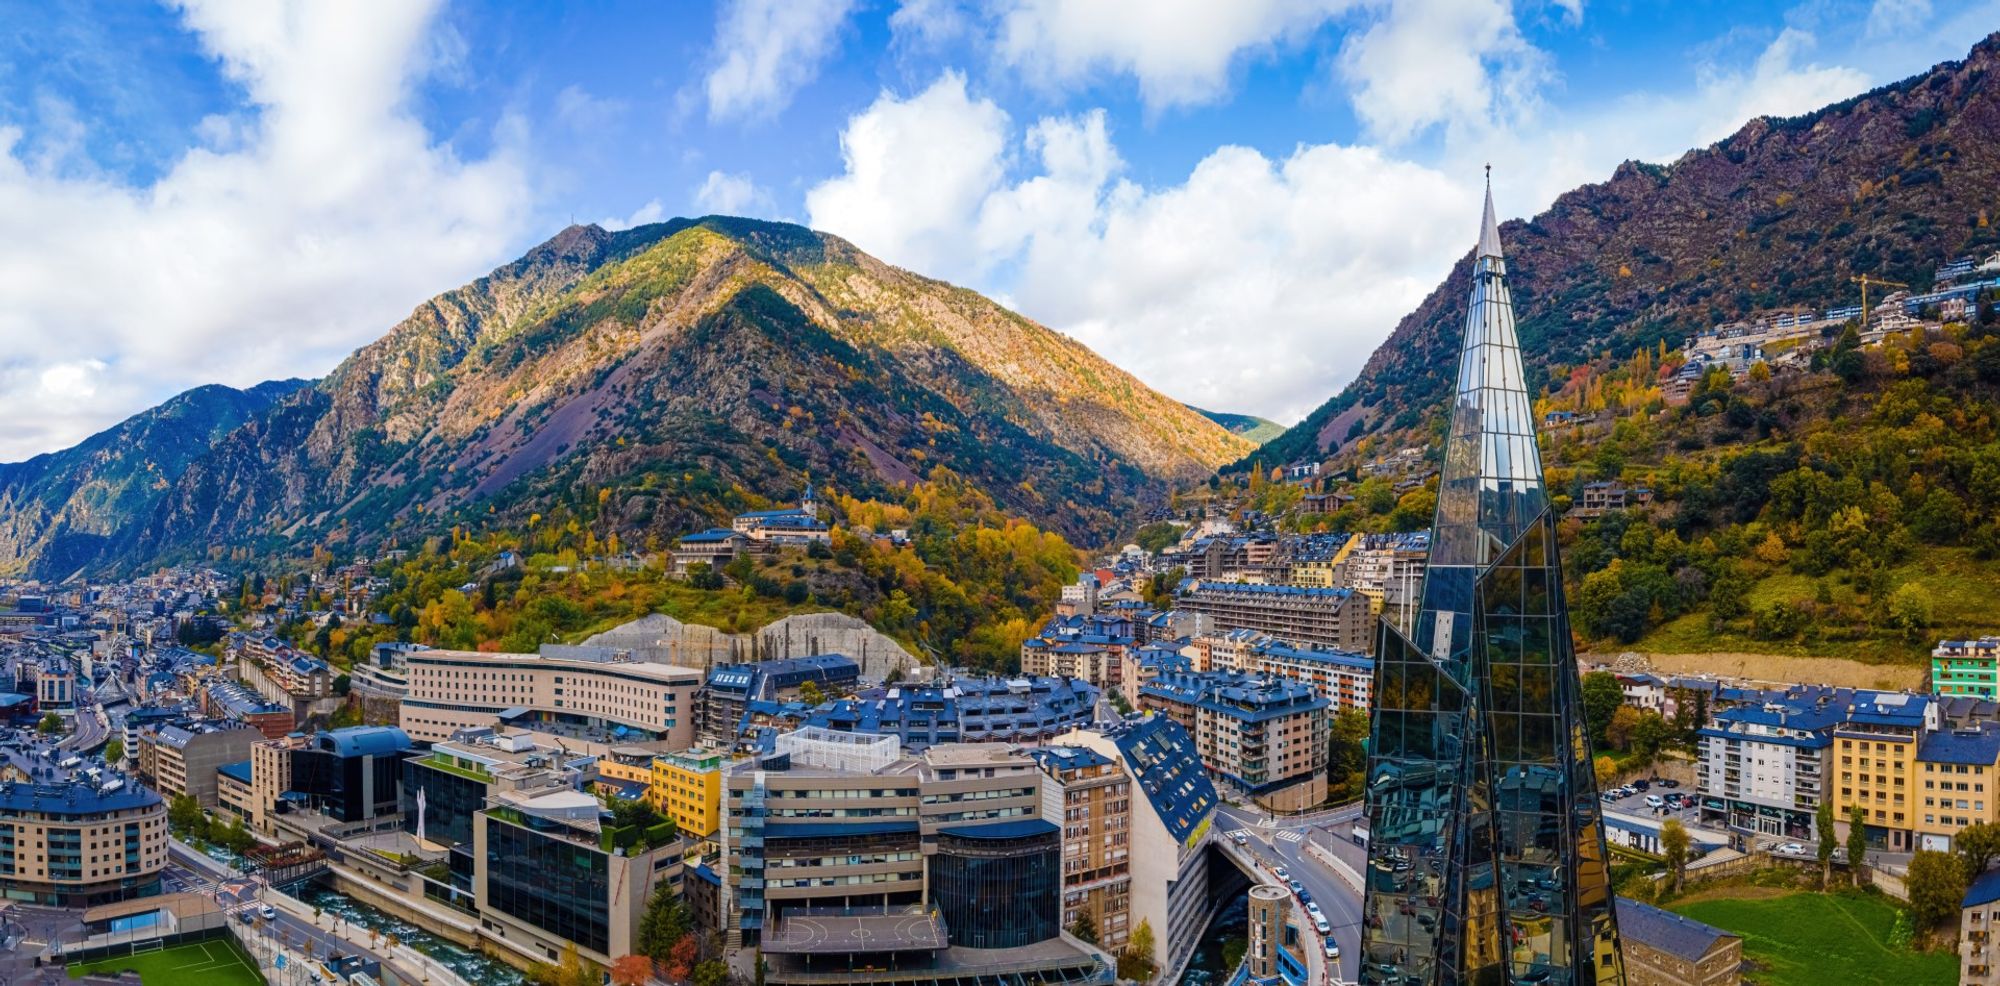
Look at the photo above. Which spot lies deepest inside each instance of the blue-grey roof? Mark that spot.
(1067, 757)
(1674, 934)
(1165, 766)
(1020, 828)
(239, 770)
(1984, 890)
(74, 798)
(712, 535)
(1979, 746)
(363, 741)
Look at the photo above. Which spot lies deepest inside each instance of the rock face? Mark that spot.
(60, 511)
(663, 639)
(675, 365)
(1783, 213)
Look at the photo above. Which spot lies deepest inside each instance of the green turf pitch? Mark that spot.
(1810, 939)
(216, 962)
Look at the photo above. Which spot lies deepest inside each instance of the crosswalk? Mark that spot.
(1292, 835)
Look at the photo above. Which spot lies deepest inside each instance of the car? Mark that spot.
(1670, 783)
(1241, 839)
(1281, 874)
(1655, 801)
(1306, 898)
(244, 916)
(1295, 886)
(1792, 849)
(268, 913)
(1609, 797)
(1640, 785)
(1332, 949)
(1320, 925)
(1313, 909)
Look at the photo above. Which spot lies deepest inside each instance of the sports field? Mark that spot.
(216, 962)
(1811, 939)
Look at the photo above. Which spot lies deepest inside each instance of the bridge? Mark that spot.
(1303, 847)
(287, 864)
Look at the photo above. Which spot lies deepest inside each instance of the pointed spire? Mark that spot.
(1489, 229)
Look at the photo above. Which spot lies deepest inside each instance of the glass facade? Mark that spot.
(552, 883)
(450, 799)
(1000, 887)
(1486, 853)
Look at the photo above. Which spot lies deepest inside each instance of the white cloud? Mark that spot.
(651, 212)
(1179, 51)
(1777, 85)
(1889, 18)
(733, 195)
(767, 49)
(298, 231)
(580, 111)
(917, 172)
(1255, 284)
(1461, 63)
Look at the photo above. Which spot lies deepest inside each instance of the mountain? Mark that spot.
(662, 376)
(1783, 213)
(59, 510)
(1251, 427)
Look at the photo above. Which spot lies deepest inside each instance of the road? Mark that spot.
(193, 872)
(1282, 842)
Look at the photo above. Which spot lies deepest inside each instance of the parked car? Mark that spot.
(1281, 874)
(1792, 849)
(1670, 783)
(1295, 886)
(1640, 785)
(1320, 925)
(1655, 801)
(1332, 949)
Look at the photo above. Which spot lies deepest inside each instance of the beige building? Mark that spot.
(1264, 736)
(1978, 920)
(1321, 617)
(1662, 948)
(181, 758)
(75, 844)
(581, 693)
(1091, 794)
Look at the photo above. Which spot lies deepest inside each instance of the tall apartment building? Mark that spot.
(1091, 795)
(1979, 932)
(964, 708)
(1762, 769)
(722, 708)
(1337, 618)
(1089, 647)
(1876, 746)
(78, 844)
(1344, 678)
(1265, 736)
(687, 787)
(1173, 804)
(1966, 667)
(585, 694)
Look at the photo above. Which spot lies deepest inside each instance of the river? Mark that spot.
(469, 965)
(1232, 925)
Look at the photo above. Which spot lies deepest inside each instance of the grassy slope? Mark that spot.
(1812, 939)
(1256, 429)
(1962, 590)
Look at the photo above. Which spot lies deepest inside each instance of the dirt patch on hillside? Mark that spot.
(1735, 891)
(1780, 669)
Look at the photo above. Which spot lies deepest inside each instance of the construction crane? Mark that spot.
(1864, 280)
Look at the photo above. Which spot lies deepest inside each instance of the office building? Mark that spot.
(591, 695)
(80, 844)
(444, 787)
(1487, 858)
(552, 871)
(351, 774)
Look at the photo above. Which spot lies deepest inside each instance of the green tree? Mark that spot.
(1347, 754)
(1857, 841)
(1977, 844)
(50, 725)
(811, 694)
(1158, 537)
(666, 921)
(1136, 962)
(1084, 928)
(1674, 846)
(1828, 840)
(1602, 696)
(711, 972)
(1936, 882)
(1910, 609)
(114, 751)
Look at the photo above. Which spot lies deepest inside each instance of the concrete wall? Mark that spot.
(662, 638)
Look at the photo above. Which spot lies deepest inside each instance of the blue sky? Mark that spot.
(1234, 201)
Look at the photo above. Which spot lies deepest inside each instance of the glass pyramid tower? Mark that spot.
(1486, 859)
